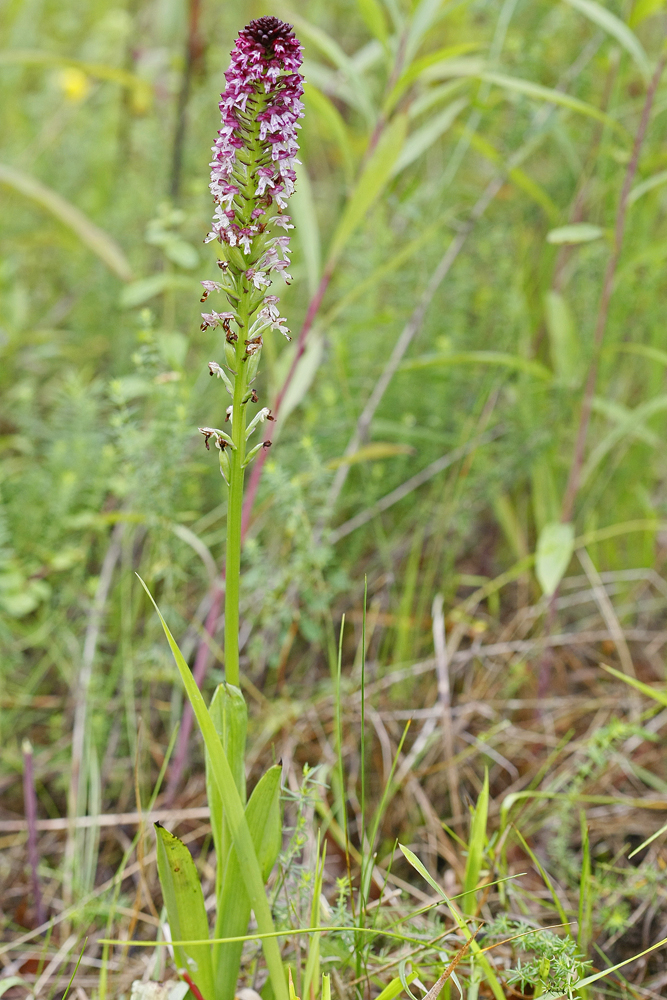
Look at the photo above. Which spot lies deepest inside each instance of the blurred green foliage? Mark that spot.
(103, 369)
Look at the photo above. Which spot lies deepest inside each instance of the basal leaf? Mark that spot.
(235, 814)
(184, 901)
(263, 818)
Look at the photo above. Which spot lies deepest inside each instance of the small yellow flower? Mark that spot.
(74, 83)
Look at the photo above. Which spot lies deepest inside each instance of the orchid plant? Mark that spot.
(252, 177)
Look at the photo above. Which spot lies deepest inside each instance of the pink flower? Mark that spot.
(260, 108)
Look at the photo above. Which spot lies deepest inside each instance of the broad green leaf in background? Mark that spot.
(555, 546)
(333, 126)
(577, 232)
(613, 25)
(90, 235)
(648, 185)
(629, 426)
(423, 138)
(643, 9)
(184, 900)
(374, 19)
(302, 380)
(551, 96)
(563, 341)
(643, 350)
(374, 177)
(145, 289)
(476, 845)
(525, 365)
(423, 19)
(302, 210)
(371, 453)
(235, 813)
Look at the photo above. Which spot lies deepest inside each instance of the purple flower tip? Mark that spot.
(256, 146)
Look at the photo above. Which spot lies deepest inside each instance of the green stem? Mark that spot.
(235, 502)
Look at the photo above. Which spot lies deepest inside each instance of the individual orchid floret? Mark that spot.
(217, 319)
(215, 369)
(259, 418)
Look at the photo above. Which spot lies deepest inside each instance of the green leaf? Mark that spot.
(563, 341)
(643, 9)
(476, 845)
(577, 232)
(540, 93)
(371, 453)
(235, 814)
(302, 210)
(423, 138)
(90, 235)
(491, 977)
(555, 546)
(374, 177)
(332, 124)
(138, 292)
(302, 379)
(657, 694)
(184, 900)
(630, 426)
(648, 185)
(478, 357)
(434, 59)
(263, 818)
(605, 972)
(613, 25)
(229, 713)
(374, 19)
(423, 19)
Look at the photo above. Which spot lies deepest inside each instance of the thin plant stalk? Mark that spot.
(30, 806)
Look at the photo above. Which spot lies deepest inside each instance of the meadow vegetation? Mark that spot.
(453, 595)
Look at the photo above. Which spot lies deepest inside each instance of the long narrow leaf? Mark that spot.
(375, 175)
(235, 814)
(263, 818)
(613, 25)
(476, 844)
(491, 977)
(90, 235)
